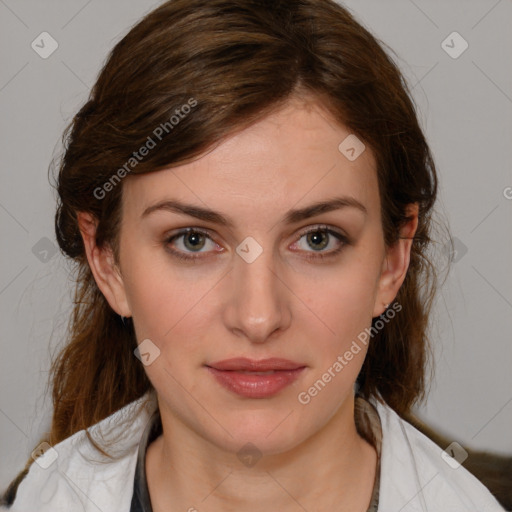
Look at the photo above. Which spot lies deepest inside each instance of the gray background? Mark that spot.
(465, 106)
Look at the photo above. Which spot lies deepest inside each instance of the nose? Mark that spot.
(259, 301)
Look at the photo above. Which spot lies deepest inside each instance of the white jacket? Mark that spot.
(414, 475)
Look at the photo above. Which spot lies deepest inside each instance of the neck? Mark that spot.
(332, 470)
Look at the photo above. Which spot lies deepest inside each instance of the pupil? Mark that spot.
(320, 235)
(194, 238)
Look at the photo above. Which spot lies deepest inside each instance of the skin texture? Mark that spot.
(280, 305)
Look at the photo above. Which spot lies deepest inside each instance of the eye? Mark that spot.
(320, 238)
(193, 240)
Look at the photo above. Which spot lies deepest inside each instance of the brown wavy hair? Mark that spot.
(240, 60)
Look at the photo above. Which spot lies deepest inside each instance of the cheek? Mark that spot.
(344, 301)
(165, 298)
(345, 306)
(169, 306)
(160, 306)
(343, 298)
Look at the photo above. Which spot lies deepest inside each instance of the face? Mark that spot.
(227, 257)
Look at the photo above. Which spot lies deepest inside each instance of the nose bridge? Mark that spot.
(259, 305)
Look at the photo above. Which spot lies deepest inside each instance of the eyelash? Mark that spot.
(312, 256)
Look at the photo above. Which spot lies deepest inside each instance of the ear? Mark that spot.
(102, 264)
(396, 262)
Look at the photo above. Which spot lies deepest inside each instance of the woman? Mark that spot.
(247, 195)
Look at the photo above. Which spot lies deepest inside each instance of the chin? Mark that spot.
(268, 432)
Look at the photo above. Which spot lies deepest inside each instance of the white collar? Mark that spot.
(414, 477)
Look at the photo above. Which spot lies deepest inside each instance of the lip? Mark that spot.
(261, 365)
(239, 375)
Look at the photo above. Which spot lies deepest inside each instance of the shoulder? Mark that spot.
(417, 477)
(74, 476)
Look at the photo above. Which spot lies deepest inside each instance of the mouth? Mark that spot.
(243, 364)
(255, 379)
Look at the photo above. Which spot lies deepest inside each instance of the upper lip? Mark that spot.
(262, 365)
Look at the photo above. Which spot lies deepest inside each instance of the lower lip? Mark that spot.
(255, 386)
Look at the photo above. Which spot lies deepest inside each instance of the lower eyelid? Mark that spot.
(343, 239)
(321, 256)
(312, 254)
(180, 253)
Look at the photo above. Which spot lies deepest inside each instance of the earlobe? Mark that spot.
(103, 267)
(396, 262)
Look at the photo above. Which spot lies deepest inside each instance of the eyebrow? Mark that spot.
(291, 217)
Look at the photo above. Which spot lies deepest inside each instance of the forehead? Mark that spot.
(292, 157)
